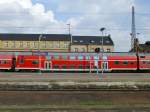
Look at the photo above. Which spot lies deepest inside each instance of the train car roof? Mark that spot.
(73, 53)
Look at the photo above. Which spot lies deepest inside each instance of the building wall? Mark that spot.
(90, 48)
(54, 46)
(78, 48)
(61, 46)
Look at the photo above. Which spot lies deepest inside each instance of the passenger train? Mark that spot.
(74, 62)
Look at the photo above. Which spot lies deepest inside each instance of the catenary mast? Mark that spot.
(133, 29)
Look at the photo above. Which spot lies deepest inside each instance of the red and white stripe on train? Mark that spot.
(86, 62)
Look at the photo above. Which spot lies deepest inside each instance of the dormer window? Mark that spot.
(75, 41)
(107, 41)
(81, 40)
(92, 41)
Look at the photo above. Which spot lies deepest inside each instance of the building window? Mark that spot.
(83, 49)
(21, 44)
(50, 44)
(35, 44)
(28, 44)
(75, 49)
(108, 50)
(6, 44)
(92, 50)
(13, 44)
(65, 44)
(56, 44)
(45, 45)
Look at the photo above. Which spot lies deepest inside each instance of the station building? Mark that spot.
(90, 43)
(143, 48)
(54, 43)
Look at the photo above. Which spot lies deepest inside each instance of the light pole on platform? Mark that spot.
(102, 31)
(39, 51)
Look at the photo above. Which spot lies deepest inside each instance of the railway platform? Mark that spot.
(74, 81)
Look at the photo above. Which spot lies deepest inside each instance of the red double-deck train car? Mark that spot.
(6, 61)
(75, 62)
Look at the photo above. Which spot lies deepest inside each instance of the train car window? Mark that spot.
(144, 62)
(80, 67)
(72, 57)
(3, 62)
(87, 67)
(21, 61)
(56, 57)
(51, 57)
(131, 63)
(72, 66)
(116, 62)
(95, 67)
(125, 62)
(64, 57)
(35, 62)
(87, 57)
(56, 67)
(64, 66)
(80, 57)
(96, 57)
(142, 56)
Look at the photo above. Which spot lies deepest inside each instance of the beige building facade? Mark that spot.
(54, 43)
(90, 43)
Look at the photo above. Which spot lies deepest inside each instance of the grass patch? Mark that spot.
(96, 103)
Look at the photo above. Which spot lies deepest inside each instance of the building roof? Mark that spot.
(35, 37)
(144, 48)
(91, 40)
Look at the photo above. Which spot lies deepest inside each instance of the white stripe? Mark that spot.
(123, 68)
(24, 68)
(5, 59)
(5, 68)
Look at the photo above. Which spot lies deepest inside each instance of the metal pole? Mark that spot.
(68, 27)
(102, 29)
(102, 52)
(39, 52)
(69, 31)
(97, 62)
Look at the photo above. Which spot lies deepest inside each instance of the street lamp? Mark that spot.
(39, 40)
(102, 30)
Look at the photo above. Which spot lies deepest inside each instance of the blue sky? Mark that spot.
(85, 16)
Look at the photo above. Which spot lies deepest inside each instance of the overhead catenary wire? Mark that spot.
(74, 28)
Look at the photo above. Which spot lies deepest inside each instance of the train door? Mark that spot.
(105, 65)
(13, 64)
(90, 66)
(47, 65)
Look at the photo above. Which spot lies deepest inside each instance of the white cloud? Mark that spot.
(94, 14)
(86, 18)
(22, 16)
